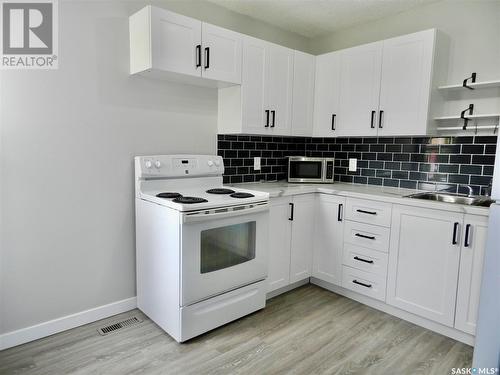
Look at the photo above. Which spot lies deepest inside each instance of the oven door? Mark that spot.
(305, 170)
(222, 251)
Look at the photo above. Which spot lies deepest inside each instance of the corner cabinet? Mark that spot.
(263, 102)
(168, 45)
(291, 230)
(329, 238)
(378, 89)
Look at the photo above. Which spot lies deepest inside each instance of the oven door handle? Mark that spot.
(197, 217)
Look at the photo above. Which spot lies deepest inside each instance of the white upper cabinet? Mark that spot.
(263, 102)
(303, 93)
(471, 268)
(424, 260)
(406, 84)
(381, 88)
(172, 46)
(326, 94)
(359, 90)
(279, 89)
(221, 54)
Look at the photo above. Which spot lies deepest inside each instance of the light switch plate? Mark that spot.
(353, 165)
(256, 163)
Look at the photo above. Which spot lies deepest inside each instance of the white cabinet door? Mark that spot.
(174, 41)
(221, 55)
(326, 94)
(302, 236)
(405, 83)
(279, 243)
(471, 268)
(360, 88)
(328, 238)
(279, 89)
(303, 94)
(424, 259)
(254, 85)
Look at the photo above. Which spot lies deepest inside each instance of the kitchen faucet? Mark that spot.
(471, 191)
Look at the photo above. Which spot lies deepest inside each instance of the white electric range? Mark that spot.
(201, 248)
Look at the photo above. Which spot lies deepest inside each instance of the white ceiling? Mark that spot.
(314, 18)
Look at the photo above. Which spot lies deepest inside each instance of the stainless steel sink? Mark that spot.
(453, 198)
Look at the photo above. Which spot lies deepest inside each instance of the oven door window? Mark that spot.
(306, 169)
(227, 246)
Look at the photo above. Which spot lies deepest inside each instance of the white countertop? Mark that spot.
(381, 193)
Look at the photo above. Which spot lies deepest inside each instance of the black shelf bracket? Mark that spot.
(469, 109)
(473, 80)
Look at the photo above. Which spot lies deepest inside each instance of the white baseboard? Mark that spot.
(38, 331)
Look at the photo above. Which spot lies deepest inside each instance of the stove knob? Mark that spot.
(217, 163)
(148, 164)
(210, 163)
(157, 164)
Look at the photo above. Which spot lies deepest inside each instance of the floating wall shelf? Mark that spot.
(476, 85)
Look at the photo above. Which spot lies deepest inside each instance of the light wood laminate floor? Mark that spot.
(306, 331)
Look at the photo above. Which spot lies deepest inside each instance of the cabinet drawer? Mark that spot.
(369, 212)
(365, 259)
(363, 282)
(366, 235)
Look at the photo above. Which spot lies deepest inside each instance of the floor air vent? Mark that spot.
(119, 325)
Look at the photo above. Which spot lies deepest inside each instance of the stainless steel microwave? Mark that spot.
(304, 169)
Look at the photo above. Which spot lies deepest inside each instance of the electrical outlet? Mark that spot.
(256, 163)
(353, 165)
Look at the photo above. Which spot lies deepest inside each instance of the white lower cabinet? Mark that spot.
(279, 243)
(424, 260)
(329, 238)
(291, 230)
(471, 268)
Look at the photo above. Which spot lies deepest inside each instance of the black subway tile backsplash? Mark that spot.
(406, 162)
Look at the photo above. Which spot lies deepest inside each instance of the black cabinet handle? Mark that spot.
(372, 125)
(362, 284)
(341, 212)
(273, 112)
(207, 57)
(467, 232)
(367, 212)
(292, 206)
(198, 55)
(267, 118)
(333, 121)
(455, 230)
(380, 119)
(365, 236)
(364, 260)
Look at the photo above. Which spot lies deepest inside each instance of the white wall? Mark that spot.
(67, 141)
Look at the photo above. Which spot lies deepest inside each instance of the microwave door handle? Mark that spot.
(193, 218)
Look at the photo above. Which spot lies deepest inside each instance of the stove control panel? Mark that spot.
(175, 166)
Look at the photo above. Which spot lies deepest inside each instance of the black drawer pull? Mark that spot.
(455, 231)
(367, 212)
(292, 207)
(364, 260)
(340, 212)
(198, 55)
(365, 236)
(207, 57)
(380, 119)
(273, 112)
(362, 284)
(333, 121)
(372, 125)
(267, 118)
(467, 235)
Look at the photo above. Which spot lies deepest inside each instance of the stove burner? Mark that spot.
(242, 195)
(220, 191)
(189, 200)
(169, 195)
